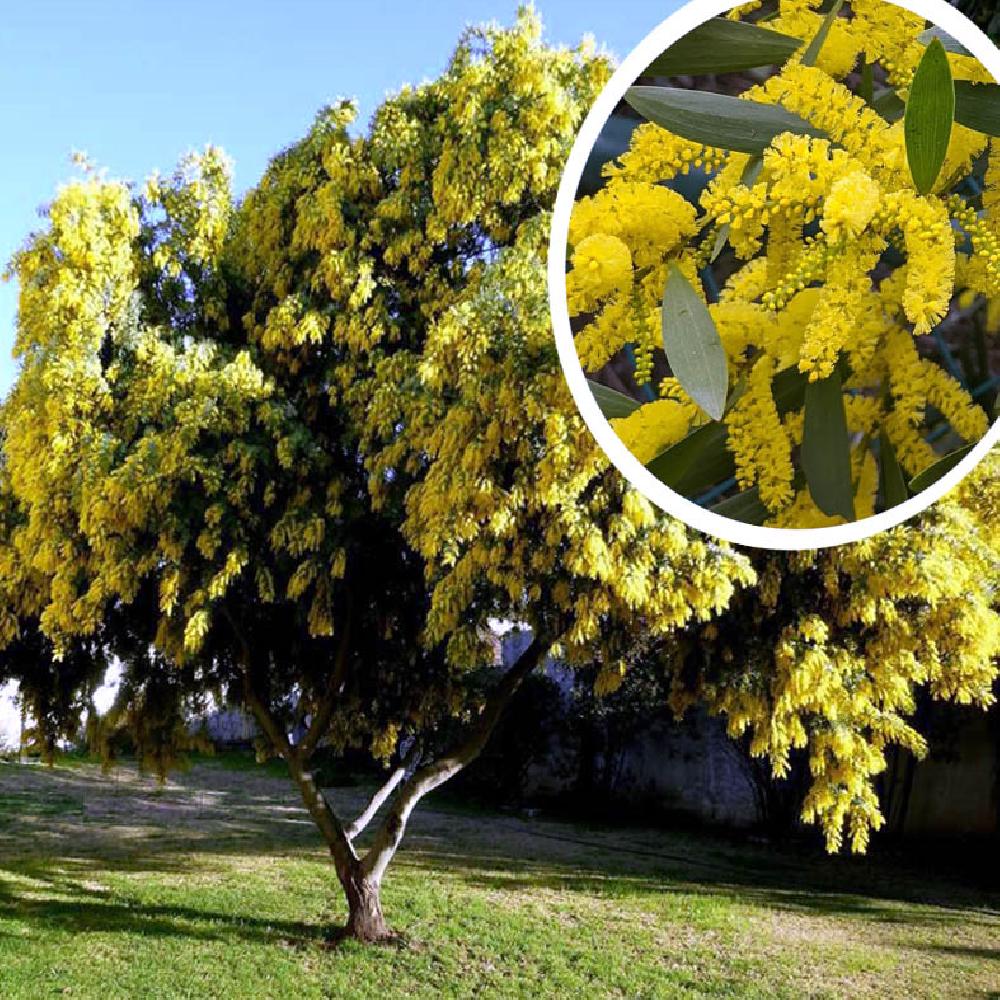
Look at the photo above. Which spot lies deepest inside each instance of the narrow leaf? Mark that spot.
(930, 112)
(866, 91)
(892, 483)
(826, 449)
(723, 46)
(693, 347)
(703, 460)
(889, 105)
(812, 53)
(613, 404)
(698, 462)
(717, 120)
(977, 106)
(934, 472)
(736, 393)
(788, 387)
(721, 239)
(746, 507)
(950, 44)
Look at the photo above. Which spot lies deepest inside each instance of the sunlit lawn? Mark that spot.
(217, 886)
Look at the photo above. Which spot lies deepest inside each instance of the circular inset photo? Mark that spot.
(775, 265)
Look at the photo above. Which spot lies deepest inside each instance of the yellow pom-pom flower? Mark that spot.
(602, 264)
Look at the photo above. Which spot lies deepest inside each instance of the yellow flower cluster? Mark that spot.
(651, 220)
(837, 259)
(602, 264)
(850, 205)
(834, 645)
(759, 441)
(651, 429)
(654, 153)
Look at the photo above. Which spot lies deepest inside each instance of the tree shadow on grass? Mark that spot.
(835, 887)
(961, 951)
(208, 812)
(62, 897)
(147, 920)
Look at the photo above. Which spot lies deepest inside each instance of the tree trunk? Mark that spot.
(364, 906)
(362, 878)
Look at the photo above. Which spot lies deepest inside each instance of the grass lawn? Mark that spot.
(217, 886)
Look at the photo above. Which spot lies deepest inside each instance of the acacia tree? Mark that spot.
(208, 475)
(305, 448)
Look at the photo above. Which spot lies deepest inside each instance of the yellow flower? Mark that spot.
(602, 264)
(654, 427)
(759, 442)
(850, 205)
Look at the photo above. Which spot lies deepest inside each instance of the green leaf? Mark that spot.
(950, 44)
(736, 393)
(746, 507)
(930, 112)
(613, 404)
(977, 106)
(812, 53)
(693, 347)
(723, 46)
(892, 483)
(934, 472)
(866, 89)
(699, 461)
(717, 120)
(826, 449)
(721, 239)
(788, 387)
(703, 460)
(889, 105)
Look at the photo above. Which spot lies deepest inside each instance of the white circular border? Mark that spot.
(939, 13)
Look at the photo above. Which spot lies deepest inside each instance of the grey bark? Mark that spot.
(361, 878)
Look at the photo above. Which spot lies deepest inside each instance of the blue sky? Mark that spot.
(135, 83)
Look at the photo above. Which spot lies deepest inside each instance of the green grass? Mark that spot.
(216, 886)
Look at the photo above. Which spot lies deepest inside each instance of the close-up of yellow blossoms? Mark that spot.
(784, 285)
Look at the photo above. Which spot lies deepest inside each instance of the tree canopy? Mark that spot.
(306, 447)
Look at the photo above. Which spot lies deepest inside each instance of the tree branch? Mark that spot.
(429, 777)
(274, 731)
(315, 801)
(359, 825)
(320, 721)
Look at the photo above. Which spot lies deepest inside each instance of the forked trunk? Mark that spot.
(365, 921)
(362, 878)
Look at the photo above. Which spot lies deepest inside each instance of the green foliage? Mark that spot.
(938, 469)
(723, 46)
(930, 113)
(692, 345)
(611, 402)
(717, 119)
(826, 448)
